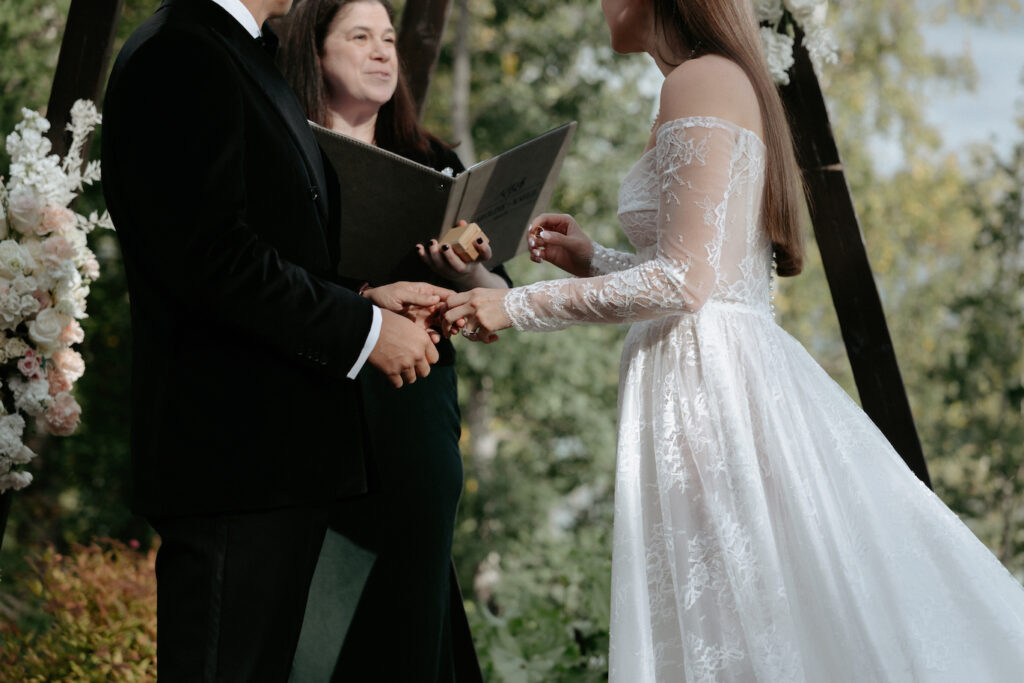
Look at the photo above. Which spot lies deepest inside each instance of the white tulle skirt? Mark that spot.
(765, 530)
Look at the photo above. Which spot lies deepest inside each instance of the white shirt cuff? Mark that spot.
(371, 341)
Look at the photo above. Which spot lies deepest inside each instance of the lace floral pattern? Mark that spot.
(699, 164)
(765, 530)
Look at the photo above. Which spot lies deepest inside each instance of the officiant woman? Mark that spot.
(408, 624)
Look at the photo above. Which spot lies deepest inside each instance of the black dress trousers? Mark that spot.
(231, 593)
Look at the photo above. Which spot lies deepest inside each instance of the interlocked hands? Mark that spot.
(412, 313)
(405, 350)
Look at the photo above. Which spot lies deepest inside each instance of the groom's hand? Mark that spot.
(404, 350)
(399, 296)
(420, 302)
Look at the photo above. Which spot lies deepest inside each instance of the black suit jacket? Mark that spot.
(242, 333)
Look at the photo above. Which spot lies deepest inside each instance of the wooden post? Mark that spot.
(837, 230)
(82, 64)
(5, 509)
(419, 44)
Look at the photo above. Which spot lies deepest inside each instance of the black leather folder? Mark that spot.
(389, 203)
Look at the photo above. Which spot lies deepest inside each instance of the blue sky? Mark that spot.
(988, 113)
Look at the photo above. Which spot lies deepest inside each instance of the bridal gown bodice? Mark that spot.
(690, 207)
(765, 530)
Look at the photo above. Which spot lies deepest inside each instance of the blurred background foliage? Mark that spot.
(533, 541)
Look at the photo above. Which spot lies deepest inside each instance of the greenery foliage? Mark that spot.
(533, 537)
(87, 616)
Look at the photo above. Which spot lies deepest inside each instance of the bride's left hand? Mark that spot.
(478, 313)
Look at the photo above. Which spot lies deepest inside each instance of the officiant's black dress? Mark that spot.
(396, 541)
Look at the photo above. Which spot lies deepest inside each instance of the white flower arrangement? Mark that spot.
(45, 270)
(778, 47)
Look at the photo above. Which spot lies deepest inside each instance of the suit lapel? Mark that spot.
(257, 62)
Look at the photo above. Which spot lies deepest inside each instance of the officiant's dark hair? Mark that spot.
(729, 28)
(304, 31)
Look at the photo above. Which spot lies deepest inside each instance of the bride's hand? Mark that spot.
(478, 313)
(558, 239)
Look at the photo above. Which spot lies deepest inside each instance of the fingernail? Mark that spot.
(532, 242)
(544, 234)
(433, 242)
(444, 247)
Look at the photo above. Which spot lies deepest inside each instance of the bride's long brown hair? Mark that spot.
(729, 28)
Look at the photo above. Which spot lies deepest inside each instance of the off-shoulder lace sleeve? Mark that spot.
(694, 160)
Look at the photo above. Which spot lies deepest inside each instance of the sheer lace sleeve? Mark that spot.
(694, 164)
(607, 260)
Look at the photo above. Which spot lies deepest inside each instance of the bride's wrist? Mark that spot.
(588, 259)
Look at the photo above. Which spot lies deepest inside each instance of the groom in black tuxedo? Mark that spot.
(246, 422)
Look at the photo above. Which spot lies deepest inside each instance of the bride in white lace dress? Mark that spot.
(765, 530)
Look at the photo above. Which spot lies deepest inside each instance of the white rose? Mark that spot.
(45, 329)
(15, 480)
(29, 305)
(65, 276)
(821, 46)
(768, 10)
(34, 247)
(78, 242)
(23, 284)
(16, 347)
(4, 230)
(807, 10)
(71, 305)
(10, 310)
(21, 455)
(11, 429)
(778, 51)
(14, 259)
(25, 208)
(32, 397)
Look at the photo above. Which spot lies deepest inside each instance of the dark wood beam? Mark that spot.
(419, 44)
(82, 64)
(850, 280)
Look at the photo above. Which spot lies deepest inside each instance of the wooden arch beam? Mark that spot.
(845, 257)
(419, 44)
(85, 52)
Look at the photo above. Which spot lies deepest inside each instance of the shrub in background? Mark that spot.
(86, 616)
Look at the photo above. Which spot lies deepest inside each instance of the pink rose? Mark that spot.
(29, 365)
(25, 212)
(57, 218)
(72, 333)
(63, 415)
(91, 268)
(58, 379)
(43, 297)
(70, 363)
(57, 249)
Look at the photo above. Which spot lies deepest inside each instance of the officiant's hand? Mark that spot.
(420, 302)
(558, 239)
(477, 314)
(443, 260)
